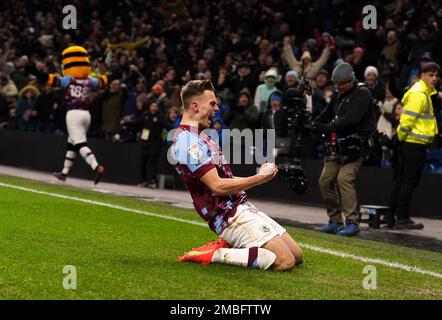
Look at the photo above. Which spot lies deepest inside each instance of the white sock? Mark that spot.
(248, 257)
(89, 157)
(68, 162)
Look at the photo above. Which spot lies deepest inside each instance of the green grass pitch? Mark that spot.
(123, 255)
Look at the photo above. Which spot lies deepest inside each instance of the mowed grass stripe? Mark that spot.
(390, 264)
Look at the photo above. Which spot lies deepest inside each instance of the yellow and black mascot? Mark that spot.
(76, 85)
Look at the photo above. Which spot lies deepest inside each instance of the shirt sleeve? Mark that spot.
(94, 82)
(64, 81)
(194, 154)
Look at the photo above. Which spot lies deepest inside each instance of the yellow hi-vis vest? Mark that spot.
(418, 123)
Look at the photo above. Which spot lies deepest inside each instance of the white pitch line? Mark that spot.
(371, 260)
(341, 254)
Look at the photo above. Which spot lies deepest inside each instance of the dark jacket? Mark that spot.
(240, 117)
(352, 113)
(318, 101)
(154, 123)
(238, 83)
(45, 106)
(279, 121)
(378, 92)
(112, 110)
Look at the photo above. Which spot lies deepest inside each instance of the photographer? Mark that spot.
(346, 126)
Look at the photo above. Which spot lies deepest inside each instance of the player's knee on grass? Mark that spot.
(298, 254)
(294, 248)
(299, 258)
(285, 260)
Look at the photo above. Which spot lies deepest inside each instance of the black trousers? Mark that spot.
(406, 176)
(148, 164)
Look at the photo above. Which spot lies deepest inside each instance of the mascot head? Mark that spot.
(75, 62)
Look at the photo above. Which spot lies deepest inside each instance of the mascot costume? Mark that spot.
(76, 85)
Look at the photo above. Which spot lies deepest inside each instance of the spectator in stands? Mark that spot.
(319, 96)
(173, 119)
(422, 44)
(26, 108)
(263, 91)
(8, 87)
(243, 79)
(112, 108)
(45, 107)
(275, 116)
(136, 85)
(389, 59)
(219, 115)
(141, 104)
(243, 114)
(358, 61)
(377, 88)
(385, 127)
(158, 95)
(416, 70)
(305, 67)
(386, 122)
(291, 80)
(19, 76)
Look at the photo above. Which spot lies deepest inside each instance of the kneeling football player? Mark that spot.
(249, 237)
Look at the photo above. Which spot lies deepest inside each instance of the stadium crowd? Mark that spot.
(253, 51)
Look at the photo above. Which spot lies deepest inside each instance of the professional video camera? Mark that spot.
(299, 124)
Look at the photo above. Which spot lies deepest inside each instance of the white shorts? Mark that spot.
(77, 123)
(250, 227)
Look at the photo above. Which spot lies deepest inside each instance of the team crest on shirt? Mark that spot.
(265, 228)
(195, 152)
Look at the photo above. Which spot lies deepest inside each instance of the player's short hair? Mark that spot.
(431, 67)
(194, 88)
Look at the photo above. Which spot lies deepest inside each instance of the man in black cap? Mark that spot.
(346, 126)
(243, 79)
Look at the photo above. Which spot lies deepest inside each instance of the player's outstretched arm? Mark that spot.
(226, 186)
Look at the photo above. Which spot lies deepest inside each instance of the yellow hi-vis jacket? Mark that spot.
(418, 123)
